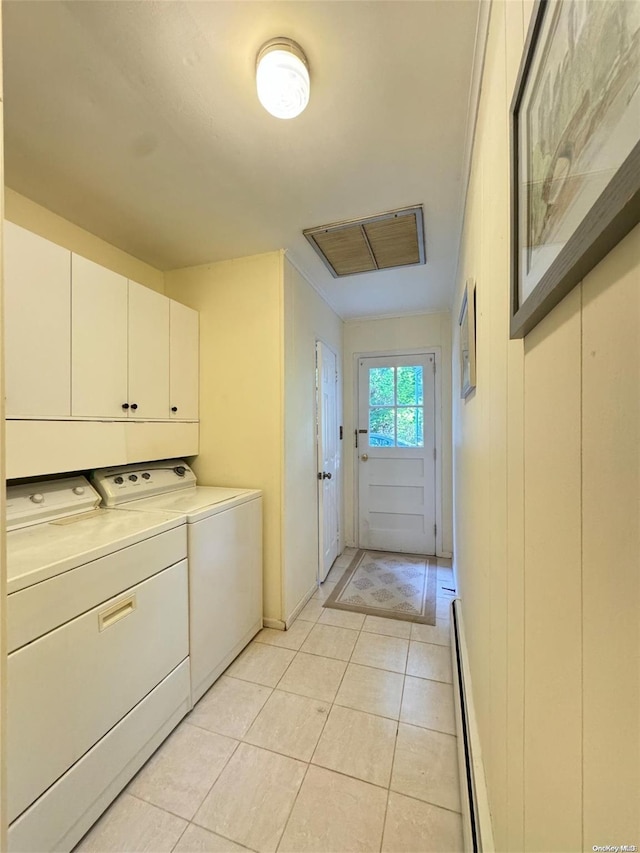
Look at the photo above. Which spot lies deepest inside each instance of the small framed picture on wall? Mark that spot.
(467, 322)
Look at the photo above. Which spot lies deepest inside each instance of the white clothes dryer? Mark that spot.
(98, 668)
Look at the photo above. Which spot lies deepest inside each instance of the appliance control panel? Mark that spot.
(48, 500)
(120, 484)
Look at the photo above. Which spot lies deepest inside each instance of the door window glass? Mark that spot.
(396, 406)
(381, 386)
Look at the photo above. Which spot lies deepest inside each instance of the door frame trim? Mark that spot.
(339, 408)
(436, 351)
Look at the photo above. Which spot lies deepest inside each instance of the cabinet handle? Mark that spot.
(113, 614)
(125, 405)
(174, 408)
(134, 406)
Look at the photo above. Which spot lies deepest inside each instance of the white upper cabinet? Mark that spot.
(37, 309)
(184, 361)
(148, 353)
(82, 341)
(99, 335)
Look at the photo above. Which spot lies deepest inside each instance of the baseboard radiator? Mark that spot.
(476, 817)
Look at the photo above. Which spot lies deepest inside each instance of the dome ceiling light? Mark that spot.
(282, 78)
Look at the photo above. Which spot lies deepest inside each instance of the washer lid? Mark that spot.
(196, 503)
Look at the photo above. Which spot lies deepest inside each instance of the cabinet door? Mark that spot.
(98, 341)
(148, 353)
(37, 305)
(184, 360)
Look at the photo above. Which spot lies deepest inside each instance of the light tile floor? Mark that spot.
(337, 735)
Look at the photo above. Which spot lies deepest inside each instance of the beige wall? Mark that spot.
(259, 321)
(22, 211)
(241, 387)
(308, 318)
(419, 331)
(547, 519)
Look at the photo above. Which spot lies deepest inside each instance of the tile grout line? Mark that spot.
(147, 803)
(233, 752)
(215, 781)
(179, 839)
(220, 835)
(395, 746)
(426, 802)
(293, 805)
(313, 752)
(393, 761)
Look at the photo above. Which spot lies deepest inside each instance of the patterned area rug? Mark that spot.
(398, 586)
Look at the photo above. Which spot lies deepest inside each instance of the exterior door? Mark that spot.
(328, 458)
(396, 453)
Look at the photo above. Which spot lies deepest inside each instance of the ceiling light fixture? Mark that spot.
(282, 78)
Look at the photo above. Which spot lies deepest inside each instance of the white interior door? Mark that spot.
(328, 457)
(396, 453)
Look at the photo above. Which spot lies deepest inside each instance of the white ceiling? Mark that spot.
(139, 121)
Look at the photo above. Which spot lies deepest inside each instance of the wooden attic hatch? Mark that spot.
(382, 242)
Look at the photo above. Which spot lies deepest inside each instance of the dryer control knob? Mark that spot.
(180, 470)
(118, 481)
(78, 490)
(37, 498)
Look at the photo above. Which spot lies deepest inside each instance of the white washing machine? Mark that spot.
(224, 546)
(98, 668)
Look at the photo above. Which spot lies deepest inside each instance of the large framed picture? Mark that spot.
(467, 322)
(575, 148)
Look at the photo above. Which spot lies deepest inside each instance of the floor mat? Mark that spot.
(398, 586)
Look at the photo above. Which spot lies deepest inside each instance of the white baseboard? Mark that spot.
(476, 815)
(446, 555)
(278, 624)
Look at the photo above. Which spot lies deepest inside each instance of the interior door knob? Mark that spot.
(364, 457)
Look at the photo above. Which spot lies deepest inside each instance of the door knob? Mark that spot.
(364, 457)
(326, 475)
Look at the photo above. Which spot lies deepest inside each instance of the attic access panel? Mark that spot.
(382, 242)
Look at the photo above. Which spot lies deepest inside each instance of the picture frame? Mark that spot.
(467, 339)
(575, 149)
